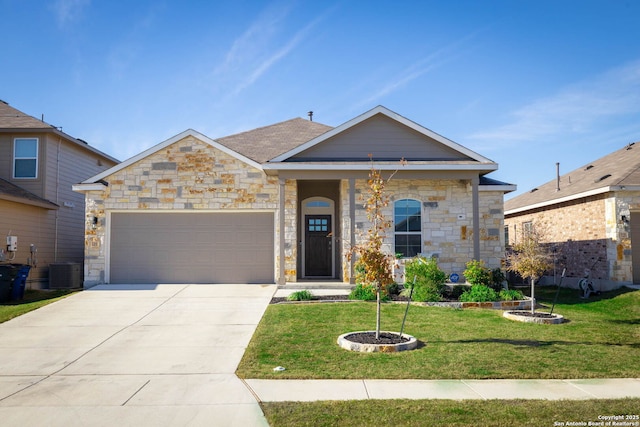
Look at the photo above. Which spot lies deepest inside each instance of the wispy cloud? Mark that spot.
(67, 11)
(256, 51)
(576, 109)
(416, 70)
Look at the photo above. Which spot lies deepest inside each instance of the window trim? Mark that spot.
(36, 158)
(408, 233)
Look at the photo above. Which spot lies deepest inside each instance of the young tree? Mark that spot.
(530, 258)
(376, 266)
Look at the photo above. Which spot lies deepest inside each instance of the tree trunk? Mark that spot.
(533, 299)
(378, 313)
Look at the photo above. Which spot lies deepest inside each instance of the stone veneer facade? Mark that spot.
(583, 231)
(447, 221)
(192, 175)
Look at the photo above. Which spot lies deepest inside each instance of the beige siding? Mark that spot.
(58, 234)
(383, 138)
(34, 186)
(32, 225)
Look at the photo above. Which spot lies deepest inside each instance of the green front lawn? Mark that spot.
(601, 339)
(506, 413)
(33, 299)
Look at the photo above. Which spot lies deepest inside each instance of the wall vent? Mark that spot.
(65, 275)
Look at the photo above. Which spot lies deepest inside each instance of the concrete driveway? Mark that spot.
(133, 355)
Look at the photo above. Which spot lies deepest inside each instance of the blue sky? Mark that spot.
(524, 83)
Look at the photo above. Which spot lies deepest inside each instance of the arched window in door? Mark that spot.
(408, 227)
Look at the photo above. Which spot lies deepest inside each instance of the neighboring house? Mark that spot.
(38, 166)
(283, 203)
(590, 216)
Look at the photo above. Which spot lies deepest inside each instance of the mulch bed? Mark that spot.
(536, 314)
(370, 338)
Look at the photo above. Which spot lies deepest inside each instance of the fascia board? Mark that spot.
(560, 200)
(41, 204)
(397, 117)
(367, 166)
(503, 188)
(81, 188)
(164, 144)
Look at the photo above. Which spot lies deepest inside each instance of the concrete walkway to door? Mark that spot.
(133, 355)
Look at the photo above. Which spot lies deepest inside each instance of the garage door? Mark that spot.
(192, 248)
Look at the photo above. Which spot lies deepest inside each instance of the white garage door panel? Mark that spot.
(192, 248)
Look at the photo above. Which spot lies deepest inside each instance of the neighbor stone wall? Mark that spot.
(447, 220)
(187, 175)
(587, 234)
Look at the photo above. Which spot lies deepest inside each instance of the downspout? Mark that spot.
(475, 182)
(281, 219)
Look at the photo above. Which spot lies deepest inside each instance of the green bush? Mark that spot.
(510, 295)
(453, 292)
(303, 295)
(429, 279)
(498, 279)
(366, 293)
(479, 274)
(479, 293)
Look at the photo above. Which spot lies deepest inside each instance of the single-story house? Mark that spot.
(590, 217)
(38, 209)
(284, 203)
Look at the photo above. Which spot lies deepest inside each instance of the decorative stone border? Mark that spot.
(520, 317)
(343, 341)
(495, 305)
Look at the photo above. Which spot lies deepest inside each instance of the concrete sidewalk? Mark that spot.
(311, 390)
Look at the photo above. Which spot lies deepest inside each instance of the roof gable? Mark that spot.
(385, 136)
(164, 144)
(620, 168)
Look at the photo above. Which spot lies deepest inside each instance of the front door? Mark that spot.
(318, 251)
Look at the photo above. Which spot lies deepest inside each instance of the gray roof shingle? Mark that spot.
(10, 118)
(265, 143)
(622, 167)
(11, 192)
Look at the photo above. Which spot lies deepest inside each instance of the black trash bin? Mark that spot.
(7, 274)
(19, 282)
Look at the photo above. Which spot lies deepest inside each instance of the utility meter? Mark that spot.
(12, 243)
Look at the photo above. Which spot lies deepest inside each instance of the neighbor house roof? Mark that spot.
(13, 120)
(13, 193)
(616, 171)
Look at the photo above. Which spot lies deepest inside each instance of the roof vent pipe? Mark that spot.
(310, 114)
(557, 176)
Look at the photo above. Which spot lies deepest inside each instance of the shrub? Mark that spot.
(477, 273)
(510, 295)
(498, 278)
(453, 292)
(479, 293)
(366, 293)
(429, 279)
(303, 295)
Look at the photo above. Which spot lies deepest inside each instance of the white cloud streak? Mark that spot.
(576, 109)
(431, 62)
(248, 51)
(67, 11)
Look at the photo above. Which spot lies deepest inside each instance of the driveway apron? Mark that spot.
(131, 355)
